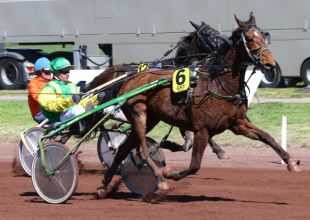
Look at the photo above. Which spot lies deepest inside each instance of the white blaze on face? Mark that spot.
(255, 34)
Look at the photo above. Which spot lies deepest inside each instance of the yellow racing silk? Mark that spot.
(56, 97)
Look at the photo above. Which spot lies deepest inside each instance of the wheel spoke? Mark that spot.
(60, 184)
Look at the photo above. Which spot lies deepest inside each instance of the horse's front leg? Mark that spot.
(121, 154)
(247, 129)
(201, 139)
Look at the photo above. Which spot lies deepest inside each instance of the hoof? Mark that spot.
(293, 165)
(223, 155)
(163, 186)
(167, 171)
(101, 192)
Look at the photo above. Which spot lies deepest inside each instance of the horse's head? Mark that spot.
(251, 43)
(202, 42)
(206, 37)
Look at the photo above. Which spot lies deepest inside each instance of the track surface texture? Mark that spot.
(253, 184)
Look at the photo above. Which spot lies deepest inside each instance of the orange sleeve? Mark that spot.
(34, 87)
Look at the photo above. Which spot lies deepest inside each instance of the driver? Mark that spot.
(60, 99)
(41, 69)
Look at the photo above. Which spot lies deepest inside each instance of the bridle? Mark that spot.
(201, 40)
(256, 58)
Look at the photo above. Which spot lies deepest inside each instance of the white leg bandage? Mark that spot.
(117, 114)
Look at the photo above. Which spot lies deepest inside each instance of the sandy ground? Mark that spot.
(253, 184)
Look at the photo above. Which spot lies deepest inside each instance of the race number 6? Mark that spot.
(180, 80)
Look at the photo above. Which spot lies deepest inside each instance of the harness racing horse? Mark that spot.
(197, 46)
(210, 112)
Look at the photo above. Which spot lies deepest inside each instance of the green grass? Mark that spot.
(281, 93)
(47, 48)
(19, 92)
(16, 117)
(269, 119)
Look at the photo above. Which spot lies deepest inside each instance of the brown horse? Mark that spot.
(209, 114)
(189, 50)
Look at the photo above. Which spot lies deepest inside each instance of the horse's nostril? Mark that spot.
(269, 66)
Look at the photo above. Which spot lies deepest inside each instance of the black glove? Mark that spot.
(77, 97)
(101, 96)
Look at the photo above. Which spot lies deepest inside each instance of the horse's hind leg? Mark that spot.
(247, 129)
(200, 142)
(221, 154)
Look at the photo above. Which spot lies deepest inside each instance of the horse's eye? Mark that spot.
(207, 33)
(250, 40)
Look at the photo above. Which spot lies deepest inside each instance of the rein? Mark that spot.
(238, 96)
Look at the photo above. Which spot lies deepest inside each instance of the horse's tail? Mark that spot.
(112, 92)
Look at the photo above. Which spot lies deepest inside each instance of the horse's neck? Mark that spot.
(234, 78)
(231, 77)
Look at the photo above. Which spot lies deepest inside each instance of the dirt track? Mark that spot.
(250, 185)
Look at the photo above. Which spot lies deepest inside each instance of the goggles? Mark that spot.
(46, 72)
(63, 71)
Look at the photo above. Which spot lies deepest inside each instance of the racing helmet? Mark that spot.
(41, 63)
(60, 63)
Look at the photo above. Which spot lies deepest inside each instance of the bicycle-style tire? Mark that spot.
(61, 186)
(105, 151)
(31, 136)
(142, 181)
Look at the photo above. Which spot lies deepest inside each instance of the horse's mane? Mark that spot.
(217, 63)
(183, 47)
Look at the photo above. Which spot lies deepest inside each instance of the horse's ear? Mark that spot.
(202, 23)
(239, 22)
(252, 18)
(196, 26)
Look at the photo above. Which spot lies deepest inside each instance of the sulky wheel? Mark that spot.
(142, 181)
(107, 145)
(31, 138)
(61, 186)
